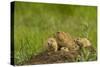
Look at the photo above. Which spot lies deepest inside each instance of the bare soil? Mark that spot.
(53, 57)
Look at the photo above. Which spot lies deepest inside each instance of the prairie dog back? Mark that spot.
(65, 40)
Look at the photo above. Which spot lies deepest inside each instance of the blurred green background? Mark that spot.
(35, 22)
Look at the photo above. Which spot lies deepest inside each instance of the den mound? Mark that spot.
(61, 48)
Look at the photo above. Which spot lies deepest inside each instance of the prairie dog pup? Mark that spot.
(84, 42)
(65, 49)
(52, 45)
(65, 40)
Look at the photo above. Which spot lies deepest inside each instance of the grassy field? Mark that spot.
(35, 22)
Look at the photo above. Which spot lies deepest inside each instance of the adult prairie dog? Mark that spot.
(83, 42)
(52, 44)
(65, 40)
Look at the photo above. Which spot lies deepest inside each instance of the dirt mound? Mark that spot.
(54, 57)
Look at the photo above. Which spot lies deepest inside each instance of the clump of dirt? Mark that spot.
(57, 57)
(54, 57)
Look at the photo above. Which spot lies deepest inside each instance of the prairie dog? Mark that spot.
(65, 49)
(65, 40)
(52, 45)
(84, 42)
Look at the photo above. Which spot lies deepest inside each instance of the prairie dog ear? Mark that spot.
(59, 32)
(63, 32)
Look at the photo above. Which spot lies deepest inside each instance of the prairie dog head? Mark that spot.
(52, 44)
(84, 42)
(65, 49)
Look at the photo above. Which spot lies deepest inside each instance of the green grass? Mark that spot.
(35, 22)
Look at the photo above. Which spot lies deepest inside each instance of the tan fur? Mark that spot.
(84, 42)
(65, 40)
(51, 45)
